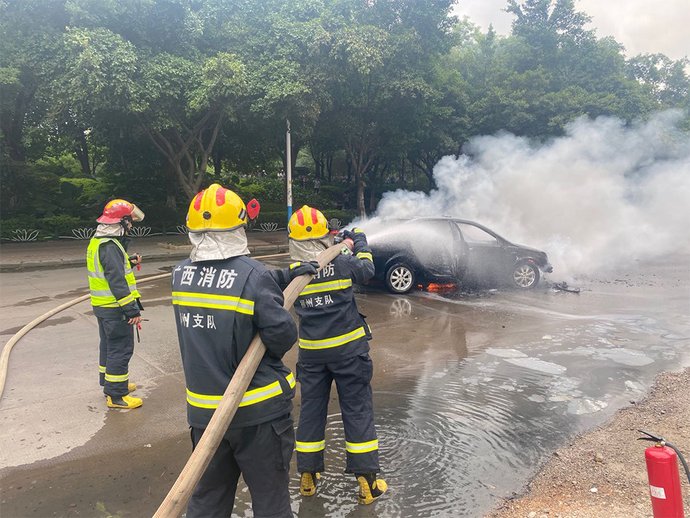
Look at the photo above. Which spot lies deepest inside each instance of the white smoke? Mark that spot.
(598, 198)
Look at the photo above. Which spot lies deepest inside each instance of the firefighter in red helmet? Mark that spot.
(115, 299)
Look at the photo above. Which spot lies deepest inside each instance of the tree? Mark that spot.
(380, 72)
(664, 79)
(182, 110)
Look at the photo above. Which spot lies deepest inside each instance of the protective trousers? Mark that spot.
(115, 351)
(261, 453)
(352, 378)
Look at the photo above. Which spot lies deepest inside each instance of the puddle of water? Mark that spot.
(28, 302)
(55, 321)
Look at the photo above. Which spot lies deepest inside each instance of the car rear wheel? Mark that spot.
(400, 278)
(525, 275)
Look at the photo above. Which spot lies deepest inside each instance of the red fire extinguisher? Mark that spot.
(664, 481)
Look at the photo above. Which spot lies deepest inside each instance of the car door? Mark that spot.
(433, 247)
(460, 254)
(486, 255)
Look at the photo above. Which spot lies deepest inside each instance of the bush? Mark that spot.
(8, 225)
(63, 165)
(272, 217)
(62, 225)
(162, 218)
(26, 191)
(263, 189)
(89, 194)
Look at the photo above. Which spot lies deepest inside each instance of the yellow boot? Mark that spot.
(370, 488)
(131, 387)
(124, 402)
(307, 483)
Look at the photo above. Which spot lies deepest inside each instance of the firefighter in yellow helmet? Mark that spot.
(334, 346)
(221, 299)
(115, 299)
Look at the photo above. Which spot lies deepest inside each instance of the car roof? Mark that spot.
(442, 218)
(453, 219)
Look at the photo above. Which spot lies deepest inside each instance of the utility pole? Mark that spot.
(288, 175)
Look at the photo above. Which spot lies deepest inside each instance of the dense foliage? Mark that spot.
(154, 99)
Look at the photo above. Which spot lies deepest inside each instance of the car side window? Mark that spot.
(475, 235)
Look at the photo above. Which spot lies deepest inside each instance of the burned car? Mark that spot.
(422, 251)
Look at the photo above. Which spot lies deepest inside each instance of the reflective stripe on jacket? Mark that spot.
(219, 307)
(251, 397)
(101, 294)
(331, 327)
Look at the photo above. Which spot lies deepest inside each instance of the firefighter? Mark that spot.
(115, 299)
(221, 299)
(333, 346)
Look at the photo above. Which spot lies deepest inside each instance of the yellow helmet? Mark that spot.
(307, 223)
(216, 208)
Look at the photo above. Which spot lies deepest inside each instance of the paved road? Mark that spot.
(472, 390)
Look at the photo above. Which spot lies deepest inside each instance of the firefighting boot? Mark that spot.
(123, 402)
(131, 387)
(307, 483)
(370, 488)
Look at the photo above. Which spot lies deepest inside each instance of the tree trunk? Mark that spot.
(372, 199)
(170, 198)
(12, 126)
(329, 166)
(361, 184)
(188, 157)
(82, 151)
(218, 160)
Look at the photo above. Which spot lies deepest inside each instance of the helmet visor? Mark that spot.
(137, 214)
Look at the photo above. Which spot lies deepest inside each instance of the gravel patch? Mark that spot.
(602, 472)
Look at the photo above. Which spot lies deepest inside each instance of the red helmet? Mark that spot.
(115, 210)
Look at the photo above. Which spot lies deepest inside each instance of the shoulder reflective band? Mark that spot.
(362, 447)
(334, 341)
(213, 301)
(319, 287)
(365, 255)
(310, 447)
(251, 397)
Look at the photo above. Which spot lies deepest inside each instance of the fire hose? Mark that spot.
(5, 355)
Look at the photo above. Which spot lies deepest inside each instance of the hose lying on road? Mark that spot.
(5, 356)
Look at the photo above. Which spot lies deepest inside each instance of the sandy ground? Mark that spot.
(602, 472)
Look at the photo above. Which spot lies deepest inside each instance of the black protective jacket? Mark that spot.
(219, 307)
(331, 327)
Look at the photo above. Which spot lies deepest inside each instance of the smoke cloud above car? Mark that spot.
(602, 196)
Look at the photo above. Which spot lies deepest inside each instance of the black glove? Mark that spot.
(300, 268)
(346, 234)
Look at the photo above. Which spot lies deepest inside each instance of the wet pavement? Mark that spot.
(472, 392)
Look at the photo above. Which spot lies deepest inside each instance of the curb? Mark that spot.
(70, 263)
